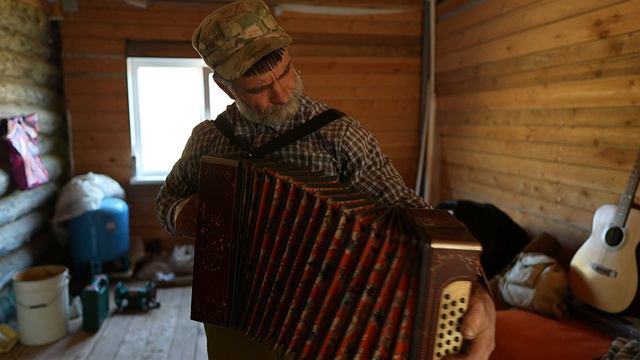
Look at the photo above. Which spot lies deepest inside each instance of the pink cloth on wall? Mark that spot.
(27, 168)
(523, 335)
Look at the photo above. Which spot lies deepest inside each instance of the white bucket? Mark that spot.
(42, 304)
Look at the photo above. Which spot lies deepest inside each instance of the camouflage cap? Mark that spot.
(235, 36)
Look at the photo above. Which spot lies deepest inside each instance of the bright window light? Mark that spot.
(167, 98)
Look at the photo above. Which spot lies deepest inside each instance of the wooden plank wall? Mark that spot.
(538, 107)
(368, 66)
(29, 83)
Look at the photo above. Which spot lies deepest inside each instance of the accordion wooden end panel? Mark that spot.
(298, 261)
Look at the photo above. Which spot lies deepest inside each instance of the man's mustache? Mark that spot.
(276, 114)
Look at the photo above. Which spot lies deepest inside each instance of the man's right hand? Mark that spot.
(185, 216)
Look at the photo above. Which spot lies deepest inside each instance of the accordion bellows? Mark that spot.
(316, 270)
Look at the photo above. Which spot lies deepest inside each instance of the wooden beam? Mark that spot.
(577, 217)
(161, 49)
(155, 15)
(51, 8)
(19, 202)
(5, 181)
(55, 145)
(522, 19)
(126, 31)
(448, 6)
(590, 70)
(582, 136)
(106, 140)
(114, 157)
(358, 65)
(28, 67)
(19, 232)
(551, 191)
(610, 117)
(364, 80)
(392, 109)
(26, 93)
(88, 45)
(607, 22)
(112, 121)
(22, 257)
(392, 13)
(97, 104)
(354, 50)
(54, 166)
(482, 11)
(609, 92)
(328, 93)
(95, 64)
(27, 20)
(49, 121)
(587, 177)
(352, 2)
(346, 26)
(615, 158)
(598, 49)
(12, 40)
(569, 236)
(355, 39)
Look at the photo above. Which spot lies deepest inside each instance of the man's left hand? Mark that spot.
(479, 325)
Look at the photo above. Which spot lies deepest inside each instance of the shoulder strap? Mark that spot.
(283, 140)
(298, 132)
(225, 128)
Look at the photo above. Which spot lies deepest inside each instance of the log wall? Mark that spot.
(368, 66)
(29, 82)
(538, 107)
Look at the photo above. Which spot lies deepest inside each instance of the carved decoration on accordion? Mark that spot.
(424, 222)
(217, 245)
(229, 177)
(469, 262)
(219, 311)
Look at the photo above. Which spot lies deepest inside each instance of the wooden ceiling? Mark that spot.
(341, 3)
(57, 8)
(311, 2)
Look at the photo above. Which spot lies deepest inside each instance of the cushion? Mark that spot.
(523, 335)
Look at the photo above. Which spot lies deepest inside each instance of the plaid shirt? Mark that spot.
(342, 148)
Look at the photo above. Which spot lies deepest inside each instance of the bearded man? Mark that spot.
(247, 51)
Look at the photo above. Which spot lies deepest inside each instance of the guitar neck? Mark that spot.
(627, 197)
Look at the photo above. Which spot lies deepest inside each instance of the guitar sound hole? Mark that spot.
(614, 236)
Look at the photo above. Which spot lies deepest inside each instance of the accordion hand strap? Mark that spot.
(281, 141)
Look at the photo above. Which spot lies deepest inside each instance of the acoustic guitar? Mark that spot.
(604, 271)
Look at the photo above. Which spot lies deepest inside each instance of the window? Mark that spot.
(167, 98)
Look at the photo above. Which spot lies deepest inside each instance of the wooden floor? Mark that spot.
(163, 333)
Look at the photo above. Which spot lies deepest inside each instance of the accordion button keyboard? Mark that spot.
(453, 305)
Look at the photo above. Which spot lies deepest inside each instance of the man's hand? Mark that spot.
(185, 216)
(479, 325)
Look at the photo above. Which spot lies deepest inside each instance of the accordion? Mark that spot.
(316, 270)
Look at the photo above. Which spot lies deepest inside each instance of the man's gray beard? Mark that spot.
(276, 114)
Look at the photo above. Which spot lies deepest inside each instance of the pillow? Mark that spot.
(543, 243)
(536, 282)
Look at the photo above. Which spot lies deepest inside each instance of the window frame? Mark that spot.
(133, 63)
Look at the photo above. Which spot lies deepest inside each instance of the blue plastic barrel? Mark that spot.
(101, 235)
